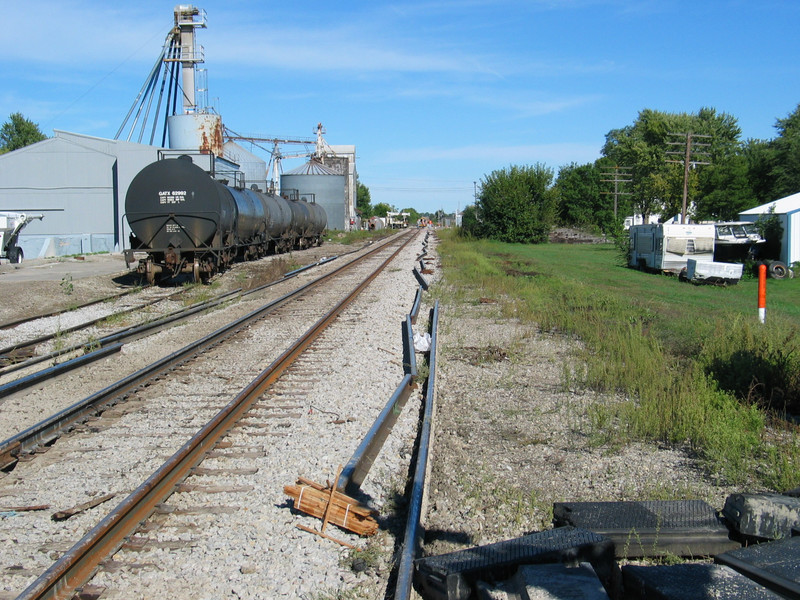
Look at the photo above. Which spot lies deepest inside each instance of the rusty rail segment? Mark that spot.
(50, 336)
(47, 430)
(78, 565)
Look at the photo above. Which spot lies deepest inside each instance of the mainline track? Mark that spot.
(49, 429)
(75, 567)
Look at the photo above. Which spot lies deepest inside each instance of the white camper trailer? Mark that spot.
(668, 246)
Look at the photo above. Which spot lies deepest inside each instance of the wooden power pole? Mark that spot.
(692, 148)
(617, 176)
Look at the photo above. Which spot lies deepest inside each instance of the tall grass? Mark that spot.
(695, 366)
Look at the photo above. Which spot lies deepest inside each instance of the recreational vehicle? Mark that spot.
(668, 246)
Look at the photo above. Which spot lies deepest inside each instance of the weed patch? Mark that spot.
(692, 363)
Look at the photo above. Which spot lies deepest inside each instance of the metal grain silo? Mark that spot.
(196, 131)
(315, 182)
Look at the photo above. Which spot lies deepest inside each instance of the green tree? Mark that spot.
(413, 215)
(517, 205)
(19, 132)
(786, 168)
(363, 201)
(760, 158)
(725, 190)
(581, 201)
(646, 145)
(470, 226)
(642, 148)
(380, 209)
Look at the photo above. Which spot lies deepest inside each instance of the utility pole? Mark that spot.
(618, 175)
(691, 148)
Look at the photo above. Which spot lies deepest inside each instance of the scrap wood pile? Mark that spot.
(325, 503)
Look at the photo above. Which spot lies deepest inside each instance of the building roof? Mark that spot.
(782, 206)
(312, 167)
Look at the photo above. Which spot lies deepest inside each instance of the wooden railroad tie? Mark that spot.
(325, 503)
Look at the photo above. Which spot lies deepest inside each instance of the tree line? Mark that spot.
(366, 210)
(647, 158)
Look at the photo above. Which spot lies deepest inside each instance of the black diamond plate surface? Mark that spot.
(776, 565)
(690, 582)
(650, 528)
(452, 576)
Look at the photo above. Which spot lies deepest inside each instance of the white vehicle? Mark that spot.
(669, 246)
(397, 220)
(11, 224)
(736, 241)
(717, 273)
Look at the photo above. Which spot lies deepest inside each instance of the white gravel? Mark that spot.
(249, 546)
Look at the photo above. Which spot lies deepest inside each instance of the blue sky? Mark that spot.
(434, 94)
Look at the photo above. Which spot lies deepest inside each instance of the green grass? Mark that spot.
(696, 366)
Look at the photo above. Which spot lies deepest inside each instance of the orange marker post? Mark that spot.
(762, 293)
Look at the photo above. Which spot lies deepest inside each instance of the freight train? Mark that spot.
(189, 223)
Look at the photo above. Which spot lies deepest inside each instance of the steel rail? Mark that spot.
(127, 334)
(47, 430)
(412, 538)
(79, 563)
(33, 379)
(138, 330)
(50, 336)
(357, 468)
(17, 322)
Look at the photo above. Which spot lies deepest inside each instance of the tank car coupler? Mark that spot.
(172, 257)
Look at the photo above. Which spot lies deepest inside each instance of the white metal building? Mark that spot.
(78, 183)
(788, 211)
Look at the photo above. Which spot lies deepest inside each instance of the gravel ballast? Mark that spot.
(509, 440)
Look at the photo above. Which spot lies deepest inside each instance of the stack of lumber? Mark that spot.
(326, 503)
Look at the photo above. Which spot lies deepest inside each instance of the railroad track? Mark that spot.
(22, 401)
(32, 340)
(187, 396)
(22, 320)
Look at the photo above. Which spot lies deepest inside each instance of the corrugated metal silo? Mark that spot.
(320, 184)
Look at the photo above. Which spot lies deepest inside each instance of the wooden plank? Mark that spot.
(341, 510)
(24, 508)
(63, 515)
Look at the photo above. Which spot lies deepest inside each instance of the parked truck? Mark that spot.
(11, 223)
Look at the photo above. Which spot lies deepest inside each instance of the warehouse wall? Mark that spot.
(78, 183)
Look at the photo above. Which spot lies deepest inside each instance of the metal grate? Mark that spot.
(452, 576)
(650, 528)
